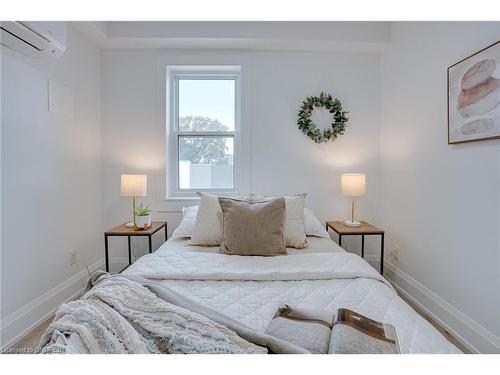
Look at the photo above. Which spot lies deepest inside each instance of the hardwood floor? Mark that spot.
(29, 343)
(436, 325)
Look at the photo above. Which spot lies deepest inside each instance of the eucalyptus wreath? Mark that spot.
(308, 127)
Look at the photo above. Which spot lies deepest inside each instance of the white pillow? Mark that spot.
(186, 227)
(312, 226)
(208, 228)
(294, 233)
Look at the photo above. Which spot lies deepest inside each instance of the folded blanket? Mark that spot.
(178, 265)
(119, 315)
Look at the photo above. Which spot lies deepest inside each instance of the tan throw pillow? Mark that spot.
(252, 228)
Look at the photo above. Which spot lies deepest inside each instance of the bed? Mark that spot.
(322, 276)
(187, 298)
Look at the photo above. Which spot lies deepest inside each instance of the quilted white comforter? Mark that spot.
(250, 289)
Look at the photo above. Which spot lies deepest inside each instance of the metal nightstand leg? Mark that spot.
(382, 254)
(150, 245)
(106, 252)
(129, 252)
(362, 246)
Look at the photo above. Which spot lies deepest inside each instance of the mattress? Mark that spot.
(322, 276)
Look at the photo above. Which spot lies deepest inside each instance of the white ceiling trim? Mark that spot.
(363, 37)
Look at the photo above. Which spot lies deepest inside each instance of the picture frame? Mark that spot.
(473, 88)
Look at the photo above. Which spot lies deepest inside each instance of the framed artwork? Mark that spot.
(474, 97)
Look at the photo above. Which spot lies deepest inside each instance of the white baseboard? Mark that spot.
(472, 334)
(21, 322)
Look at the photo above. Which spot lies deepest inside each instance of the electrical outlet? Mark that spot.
(72, 257)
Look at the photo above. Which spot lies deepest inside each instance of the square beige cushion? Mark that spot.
(252, 228)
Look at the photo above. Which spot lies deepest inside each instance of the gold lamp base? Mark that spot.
(352, 223)
(131, 224)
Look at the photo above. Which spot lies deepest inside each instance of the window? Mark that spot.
(204, 124)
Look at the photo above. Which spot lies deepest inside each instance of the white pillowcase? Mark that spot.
(203, 223)
(312, 226)
(294, 233)
(208, 228)
(186, 227)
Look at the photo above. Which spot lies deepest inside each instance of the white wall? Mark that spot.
(440, 203)
(281, 159)
(51, 182)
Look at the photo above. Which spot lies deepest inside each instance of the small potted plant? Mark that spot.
(142, 217)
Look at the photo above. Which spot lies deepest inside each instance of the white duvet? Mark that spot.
(250, 289)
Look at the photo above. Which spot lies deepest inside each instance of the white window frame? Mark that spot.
(174, 74)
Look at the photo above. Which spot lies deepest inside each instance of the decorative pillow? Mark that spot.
(186, 227)
(295, 235)
(312, 226)
(252, 228)
(208, 228)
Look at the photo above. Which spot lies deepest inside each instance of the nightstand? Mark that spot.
(365, 229)
(123, 230)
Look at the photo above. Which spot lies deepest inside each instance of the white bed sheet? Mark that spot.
(254, 301)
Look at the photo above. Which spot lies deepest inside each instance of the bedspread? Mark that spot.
(250, 289)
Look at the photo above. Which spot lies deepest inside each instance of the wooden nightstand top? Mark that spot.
(341, 228)
(123, 230)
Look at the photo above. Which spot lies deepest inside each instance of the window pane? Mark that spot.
(206, 162)
(206, 104)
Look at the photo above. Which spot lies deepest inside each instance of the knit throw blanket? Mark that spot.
(119, 315)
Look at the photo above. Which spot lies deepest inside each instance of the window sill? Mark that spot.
(182, 199)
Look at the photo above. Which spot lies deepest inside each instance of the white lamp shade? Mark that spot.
(353, 184)
(133, 185)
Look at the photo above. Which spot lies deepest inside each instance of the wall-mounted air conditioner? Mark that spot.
(34, 39)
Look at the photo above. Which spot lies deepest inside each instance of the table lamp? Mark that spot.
(353, 185)
(133, 185)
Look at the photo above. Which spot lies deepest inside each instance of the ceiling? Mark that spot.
(366, 37)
